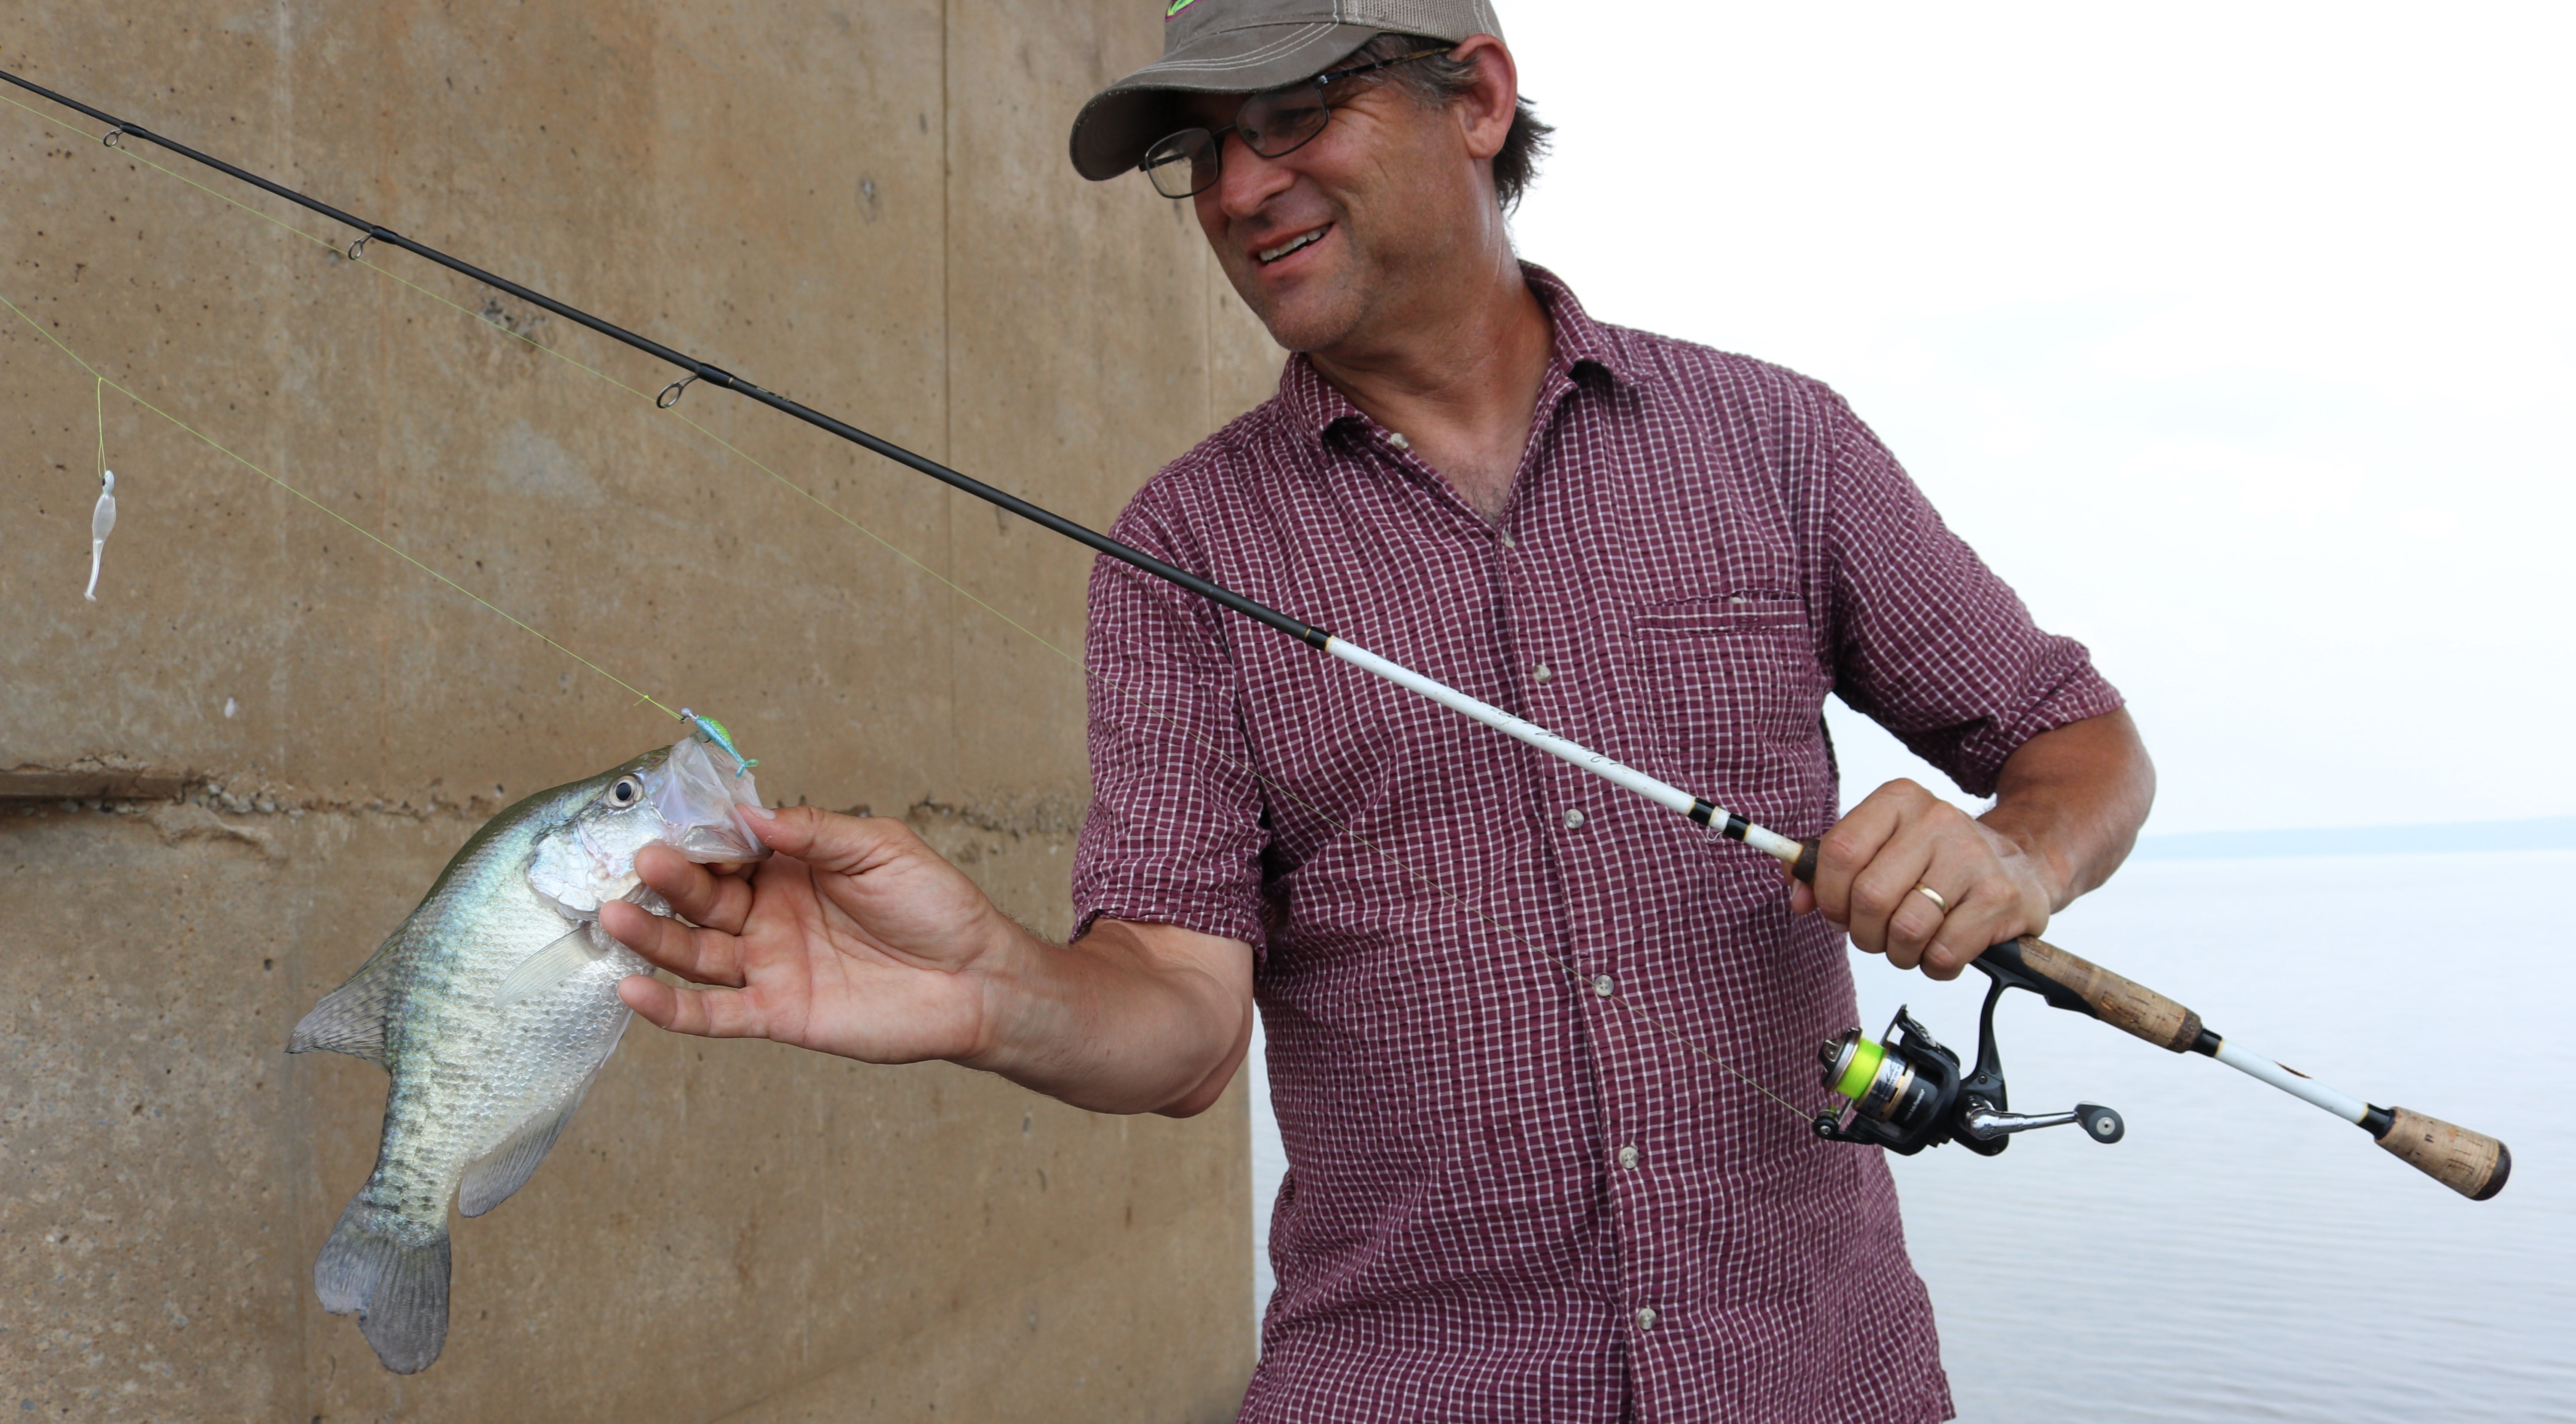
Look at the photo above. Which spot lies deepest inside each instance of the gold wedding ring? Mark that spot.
(1928, 893)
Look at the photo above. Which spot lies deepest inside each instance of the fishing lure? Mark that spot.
(714, 734)
(102, 522)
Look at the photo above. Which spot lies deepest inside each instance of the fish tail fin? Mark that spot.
(392, 1274)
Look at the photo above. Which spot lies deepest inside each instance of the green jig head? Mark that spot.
(713, 732)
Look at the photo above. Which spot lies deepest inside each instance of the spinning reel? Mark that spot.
(1908, 1093)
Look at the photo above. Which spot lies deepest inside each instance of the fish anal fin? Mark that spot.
(351, 1018)
(577, 949)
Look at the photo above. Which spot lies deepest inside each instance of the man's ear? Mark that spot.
(1485, 111)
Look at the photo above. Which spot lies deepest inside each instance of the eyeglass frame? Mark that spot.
(1216, 137)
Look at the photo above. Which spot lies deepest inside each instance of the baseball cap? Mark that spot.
(1242, 47)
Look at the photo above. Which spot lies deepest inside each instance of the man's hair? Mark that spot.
(1440, 79)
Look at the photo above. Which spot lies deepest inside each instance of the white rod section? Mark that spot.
(1617, 773)
(2297, 1085)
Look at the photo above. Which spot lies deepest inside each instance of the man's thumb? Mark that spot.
(826, 840)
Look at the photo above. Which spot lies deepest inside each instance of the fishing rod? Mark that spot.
(1905, 1092)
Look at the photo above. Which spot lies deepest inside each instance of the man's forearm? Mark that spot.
(1129, 1018)
(2074, 798)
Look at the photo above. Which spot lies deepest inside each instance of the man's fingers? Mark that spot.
(1879, 895)
(707, 1013)
(1850, 847)
(828, 841)
(716, 901)
(704, 955)
(1913, 925)
(1987, 913)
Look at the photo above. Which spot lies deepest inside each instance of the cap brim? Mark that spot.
(1113, 131)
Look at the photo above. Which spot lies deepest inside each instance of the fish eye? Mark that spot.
(626, 792)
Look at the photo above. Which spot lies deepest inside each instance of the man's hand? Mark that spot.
(2068, 804)
(858, 939)
(1902, 837)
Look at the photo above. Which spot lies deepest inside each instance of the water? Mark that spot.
(2242, 1255)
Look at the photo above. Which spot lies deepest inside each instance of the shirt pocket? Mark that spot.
(1737, 697)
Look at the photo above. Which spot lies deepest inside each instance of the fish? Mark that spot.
(493, 1007)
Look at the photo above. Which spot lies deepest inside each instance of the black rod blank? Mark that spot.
(119, 129)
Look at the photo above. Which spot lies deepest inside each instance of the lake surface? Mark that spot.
(2241, 1255)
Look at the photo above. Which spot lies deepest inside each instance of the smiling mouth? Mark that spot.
(1300, 242)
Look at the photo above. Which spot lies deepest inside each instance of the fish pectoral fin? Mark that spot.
(567, 956)
(490, 1178)
(351, 1018)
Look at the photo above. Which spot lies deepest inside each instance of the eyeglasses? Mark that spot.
(1274, 124)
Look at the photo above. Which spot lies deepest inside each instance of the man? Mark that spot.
(1512, 1193)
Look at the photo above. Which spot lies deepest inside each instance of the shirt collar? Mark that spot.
(1581, 342)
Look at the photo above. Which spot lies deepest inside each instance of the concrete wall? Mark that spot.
(866, 207)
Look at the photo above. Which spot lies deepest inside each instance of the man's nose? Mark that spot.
(1245, 180)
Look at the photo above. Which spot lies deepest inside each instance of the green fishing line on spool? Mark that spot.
(1865, 1059)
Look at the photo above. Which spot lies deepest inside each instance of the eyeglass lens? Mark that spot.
(1273, 125)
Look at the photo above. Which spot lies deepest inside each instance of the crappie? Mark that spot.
(493, 1007)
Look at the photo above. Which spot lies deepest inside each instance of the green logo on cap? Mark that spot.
(1177, 7)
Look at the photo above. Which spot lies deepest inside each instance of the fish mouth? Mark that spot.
(1292, 246)
(700, 804)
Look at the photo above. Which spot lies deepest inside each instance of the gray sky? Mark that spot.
(2240, 339)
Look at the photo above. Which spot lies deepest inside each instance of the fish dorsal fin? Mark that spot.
(351, 1018)
(492, 1177)
(568, 955)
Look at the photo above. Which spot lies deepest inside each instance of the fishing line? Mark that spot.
(254, 467)
(668, 399)
(2471, 1163)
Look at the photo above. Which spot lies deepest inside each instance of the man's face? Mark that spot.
(1330, 242)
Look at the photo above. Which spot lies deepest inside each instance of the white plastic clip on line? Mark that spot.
(102, 522)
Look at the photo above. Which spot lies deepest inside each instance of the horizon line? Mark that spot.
(2526, 833)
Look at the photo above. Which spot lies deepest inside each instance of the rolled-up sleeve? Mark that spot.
(1925, 639)
(1175, 831)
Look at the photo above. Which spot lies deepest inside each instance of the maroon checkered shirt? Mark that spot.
(1698, 547)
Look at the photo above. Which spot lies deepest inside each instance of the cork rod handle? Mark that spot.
(2470, 1163)
(2125, 1004)
(2079, 983)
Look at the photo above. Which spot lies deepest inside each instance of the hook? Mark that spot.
(670, 395)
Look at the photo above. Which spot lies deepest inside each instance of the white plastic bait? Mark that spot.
(102, 522)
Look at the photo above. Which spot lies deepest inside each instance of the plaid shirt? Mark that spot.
(1507, 1197)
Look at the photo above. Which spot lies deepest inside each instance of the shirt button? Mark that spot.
(1396, 439)
(1628, 1157)
(1540, 673)
(1573, 817)
(1507, 542)
(1645, 1317)
(1604, 985)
